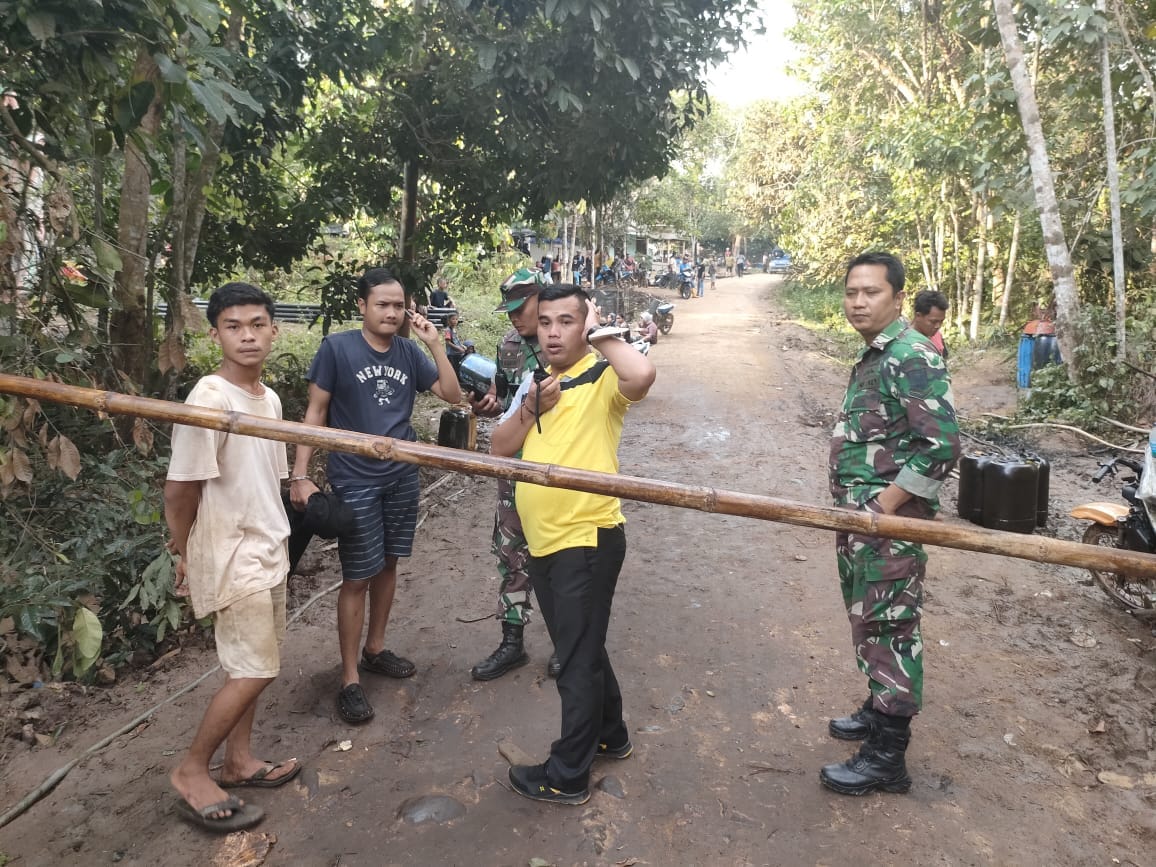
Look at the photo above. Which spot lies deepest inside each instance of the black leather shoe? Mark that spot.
(553, 667)
(850, 728)
(878, 766)
(511, 654)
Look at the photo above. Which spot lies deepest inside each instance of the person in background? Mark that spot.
(700, 276)
(456, 348)
(930, 312)
(648, 331)
(440, 297)
(518, 355)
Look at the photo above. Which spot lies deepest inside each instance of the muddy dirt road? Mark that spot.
(732, 648)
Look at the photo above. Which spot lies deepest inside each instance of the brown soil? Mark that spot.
(732, 648)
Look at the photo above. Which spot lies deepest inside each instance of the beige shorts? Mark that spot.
(249, 634)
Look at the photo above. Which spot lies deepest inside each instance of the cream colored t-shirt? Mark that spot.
(237, 545)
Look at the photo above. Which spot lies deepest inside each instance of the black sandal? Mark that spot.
(353, 706)
(387, 663)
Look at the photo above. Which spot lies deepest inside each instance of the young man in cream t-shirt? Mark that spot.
(228, 524)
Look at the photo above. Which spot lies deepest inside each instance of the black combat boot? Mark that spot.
(511, 654)
(879, 763)
(850, 728)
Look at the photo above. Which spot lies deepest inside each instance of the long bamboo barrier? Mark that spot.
(1040, 549)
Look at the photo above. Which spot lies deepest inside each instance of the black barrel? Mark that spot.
(970, 501)
(455, 428)
(1045, 351)
(1010, 494)
(1043, 492)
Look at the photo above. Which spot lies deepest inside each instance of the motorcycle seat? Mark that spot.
(1101, 513)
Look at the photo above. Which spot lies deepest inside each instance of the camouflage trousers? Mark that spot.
(509, 546)
(882, 584)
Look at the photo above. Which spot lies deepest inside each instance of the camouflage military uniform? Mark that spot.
(509, 545)
(897, 425)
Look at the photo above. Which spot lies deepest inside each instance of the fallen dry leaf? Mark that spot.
(1116, 781)
(244, 849)
(1099, 728)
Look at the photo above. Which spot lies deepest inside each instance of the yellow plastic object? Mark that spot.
(1101, 513)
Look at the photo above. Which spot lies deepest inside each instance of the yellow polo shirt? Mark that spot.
(582, 431)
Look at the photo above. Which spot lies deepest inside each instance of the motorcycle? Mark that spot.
(1128, 527)
(686, 284)
(663, 313)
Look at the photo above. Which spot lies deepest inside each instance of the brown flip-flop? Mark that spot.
(242, 816)
(260, 780)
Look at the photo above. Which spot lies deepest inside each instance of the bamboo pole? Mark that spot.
(942, 534)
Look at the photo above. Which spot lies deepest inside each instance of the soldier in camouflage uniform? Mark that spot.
(515, 359)
(895, 441)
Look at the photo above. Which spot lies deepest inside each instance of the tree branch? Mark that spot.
(38, 156)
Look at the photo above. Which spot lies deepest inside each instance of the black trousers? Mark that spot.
(575, 589)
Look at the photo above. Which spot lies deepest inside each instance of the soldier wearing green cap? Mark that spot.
(895, 441)
(516, 357)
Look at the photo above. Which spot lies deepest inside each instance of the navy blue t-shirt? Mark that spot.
(370, 392)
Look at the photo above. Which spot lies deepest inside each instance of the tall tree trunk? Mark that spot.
(980, 266)
(129, 326)
(1009, 278)
(957, 271)
(925, 261)
(1113, 190)
(1059, 260)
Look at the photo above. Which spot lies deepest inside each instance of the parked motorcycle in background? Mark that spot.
(1128, 527)
(663, 313)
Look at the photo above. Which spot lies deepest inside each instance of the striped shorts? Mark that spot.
(384, 518)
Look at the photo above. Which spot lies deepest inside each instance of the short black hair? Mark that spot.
(375, 277)
(925, 299)
(896, 275)
(237, 295)
(558, 291)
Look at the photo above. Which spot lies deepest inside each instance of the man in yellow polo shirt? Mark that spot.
(573, 418)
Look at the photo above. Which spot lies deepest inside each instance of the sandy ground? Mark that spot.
(732, 647)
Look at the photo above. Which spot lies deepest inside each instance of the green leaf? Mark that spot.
(87, 633)
(210, 99)
(102, 143)
(170, 72)
(631, 68)
(551, 7)
(42, 26)
(107, 257)
(205, 13)
(487, 55)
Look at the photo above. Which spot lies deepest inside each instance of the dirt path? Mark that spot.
(731, 645)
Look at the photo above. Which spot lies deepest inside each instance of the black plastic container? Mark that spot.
(457, 429)
(1045, 351)
(970, 501)
(1010, 494)
(1042, 489)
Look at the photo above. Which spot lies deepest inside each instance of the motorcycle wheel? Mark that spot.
(666, 323)
(684, 291)
(1131, 593)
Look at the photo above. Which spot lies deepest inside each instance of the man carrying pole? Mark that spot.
(894, 443)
